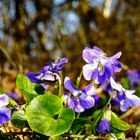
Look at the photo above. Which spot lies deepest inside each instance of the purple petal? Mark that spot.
(117, 67)
(88, 102)
(96, 98)
(104, 127)
(115, 86)
(90, 71)
(62, 61)
(116, 56)
(58, 65)
(135, 101)
(68, 85)
(108, 70)
(125, 104)
(98, 51)
(72, 102)
(5, 115)
(46, 68)
(101, 78)
(129, 93)
(48, 76)
(34, 77)
(4, 100)
(79, 108)
(88, 55)
(90, 90)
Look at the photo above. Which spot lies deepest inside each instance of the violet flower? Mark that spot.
(134, 77)
(124, 98)
(100, 68)
(47, 73)
(104, 126)
(77, 99)
(5, 113)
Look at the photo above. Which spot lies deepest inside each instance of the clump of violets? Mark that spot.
(124, 98)
(50, 72)
(101, 70)
(5, 113)
(100, 67)
(134, 77)
(77, 99)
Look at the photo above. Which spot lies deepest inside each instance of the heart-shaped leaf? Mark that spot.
(46, 115)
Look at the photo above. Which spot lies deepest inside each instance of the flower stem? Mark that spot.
(79, 79)
(59, 84)
(78, 115)
(110, 98)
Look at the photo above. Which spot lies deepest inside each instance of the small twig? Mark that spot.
(129, 112)
(89, 137)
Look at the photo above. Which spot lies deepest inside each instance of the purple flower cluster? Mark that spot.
(101, 70)
(77, 99)
(100, 67)
(5, 113)
(124, 98)
(47, 73)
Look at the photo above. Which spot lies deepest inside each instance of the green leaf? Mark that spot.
(19, 120)
(46, 115)
(28, 88)
(117, 123)
(79, 125)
